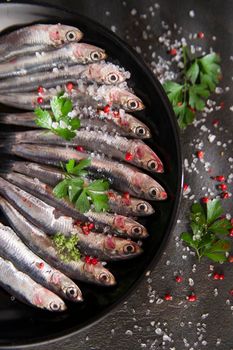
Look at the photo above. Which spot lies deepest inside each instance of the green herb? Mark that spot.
(200, 77)
(209, 231)
(58, 120)
(67, 247)
(78, 191)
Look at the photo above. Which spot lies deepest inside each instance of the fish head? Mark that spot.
(126, 99)
(61, 34)
(88, 53)
(69, 288)
(138, 128)
(99, 274)
(148, 159)
(129, 226)
(110, 74)
(123, 247)
(146, 186)
(141, 207)
(45, 299)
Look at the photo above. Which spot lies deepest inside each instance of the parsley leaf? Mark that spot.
(199, 78)
(58, 120)
(79, 191)
(206, 228)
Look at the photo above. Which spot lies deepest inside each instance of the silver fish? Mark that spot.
(43, 246)
(25, 289)
(123, 177)
(135, 152)
(120, 122)
(36, 38)
(51, 221)
(120, 203)
(117, 224)
(13, 249)
(72, 54)
(102, 73)
(81, 95)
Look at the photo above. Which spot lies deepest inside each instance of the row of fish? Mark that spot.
(31, 266)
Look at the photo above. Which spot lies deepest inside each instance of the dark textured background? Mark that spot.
(141, 322)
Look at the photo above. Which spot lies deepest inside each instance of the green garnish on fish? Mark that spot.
(82, 195)
(58, 121)
(67, 247)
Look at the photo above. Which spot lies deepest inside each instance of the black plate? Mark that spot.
(21, 324)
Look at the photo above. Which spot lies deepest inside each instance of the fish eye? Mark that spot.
(129, 249)
(140, 131)
(132, 104)
(103, 277)
(71, 292)
(113, 78)
(153, 192)
(136, 230)
(54, 306)
(142, 207)
(152, 164)
(95, 55)
(70, 36)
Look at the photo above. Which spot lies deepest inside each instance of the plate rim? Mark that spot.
(167, 236)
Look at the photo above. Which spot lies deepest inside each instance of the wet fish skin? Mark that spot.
(13, 249)
(25, 289)
(124, 124)
(43, 246)
(36, 37)
(101, 73)
(117, 224)
(118, 202)
(81, 95)
(71, 54)
(122, 177)
(114, 146)
(93, 242)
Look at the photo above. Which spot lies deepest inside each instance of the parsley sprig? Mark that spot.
(67, 247)
(75, 188)
(58, 120)
(209, 231)
(200, 77)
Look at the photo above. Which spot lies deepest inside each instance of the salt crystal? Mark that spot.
(191, 282)
(158, 331)
(133, 12)
(211, 138)
(191, 13)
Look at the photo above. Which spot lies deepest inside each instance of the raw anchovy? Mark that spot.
(123, 177)
(119, 122)
(118, 203)
(113, 121)
(13, 249)
(101, 73)
(43, 246)
(92, 95)
(72, 54)
(30, 100)
(135, 152)
(25, 289)
(117, 224)
(52, 222)
(35, 38)
(21, 119)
